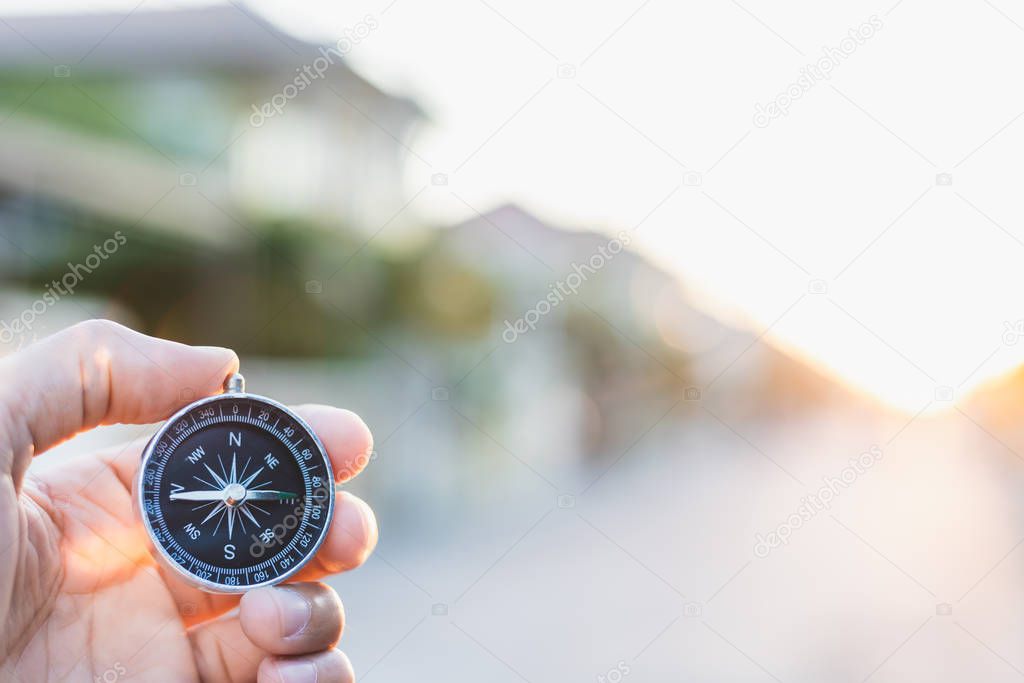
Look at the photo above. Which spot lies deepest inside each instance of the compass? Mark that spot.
(235, 491)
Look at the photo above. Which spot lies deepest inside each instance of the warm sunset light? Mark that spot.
(920, 283)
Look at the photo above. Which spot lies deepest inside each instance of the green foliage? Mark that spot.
(282, 289)
(181, 117)
(39, 94)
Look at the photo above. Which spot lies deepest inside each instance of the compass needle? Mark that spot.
(267, 494)
(197, 495)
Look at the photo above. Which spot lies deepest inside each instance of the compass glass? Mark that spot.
(236, 492)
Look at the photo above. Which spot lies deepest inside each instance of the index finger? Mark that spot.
(346, 437)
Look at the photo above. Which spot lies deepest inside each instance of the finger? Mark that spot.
(99, 372)
(346, 437)
(331, 665)
(349, 542)
(292, 619)
(194, 605)
(222, 652)
(297, 619)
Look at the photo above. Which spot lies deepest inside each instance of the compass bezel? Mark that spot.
(158, 549)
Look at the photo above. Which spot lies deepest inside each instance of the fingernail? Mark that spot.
(294, 609)
(296, 671)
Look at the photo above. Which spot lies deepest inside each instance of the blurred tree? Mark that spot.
(280, 289)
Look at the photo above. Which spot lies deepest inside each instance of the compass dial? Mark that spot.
(236, 492)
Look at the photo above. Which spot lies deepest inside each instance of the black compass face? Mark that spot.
(236, 492)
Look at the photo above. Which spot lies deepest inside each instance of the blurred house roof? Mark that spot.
(527, 242)
(248, 58)
(531, 254)
(221, 37)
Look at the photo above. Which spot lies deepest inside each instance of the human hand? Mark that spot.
(81, 599)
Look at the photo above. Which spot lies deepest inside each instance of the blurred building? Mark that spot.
(194, 120)
(574, 334)
(630, 339)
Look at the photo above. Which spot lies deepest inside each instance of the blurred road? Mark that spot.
(912, 574)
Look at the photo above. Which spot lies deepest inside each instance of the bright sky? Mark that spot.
(920, 279)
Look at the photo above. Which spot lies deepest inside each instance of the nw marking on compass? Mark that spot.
(231, 495)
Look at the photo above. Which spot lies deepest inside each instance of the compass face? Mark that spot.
(236, 492)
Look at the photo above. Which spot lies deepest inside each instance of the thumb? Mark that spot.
(97, 372)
